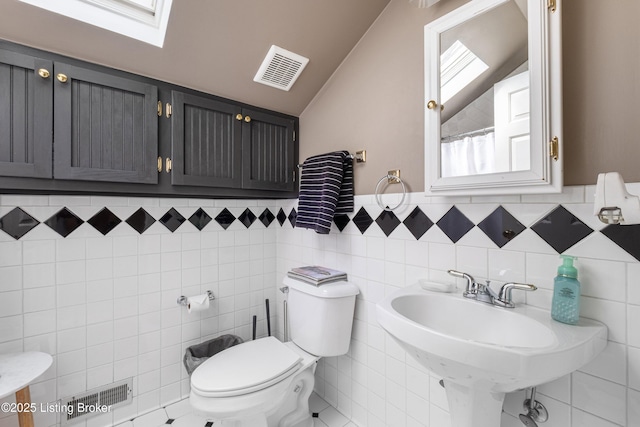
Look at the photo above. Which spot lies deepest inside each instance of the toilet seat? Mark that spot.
(245, 368)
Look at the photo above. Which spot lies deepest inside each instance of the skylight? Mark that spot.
(144, 20)
(458, 67)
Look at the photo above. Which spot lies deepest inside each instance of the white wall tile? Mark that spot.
(70, 249)
(612, 314)
(610, 365)
(634, 367)
(40, 322)
(38, 252)
(580, 418)
(10, 303)
(10, 253)
(599, 397)
(633, 407)
(38, 275)
(120, 289)
(11, 328)
(602, 279)
(633, 320)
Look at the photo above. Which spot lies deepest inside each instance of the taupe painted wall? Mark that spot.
(374, 101)
(601, 55)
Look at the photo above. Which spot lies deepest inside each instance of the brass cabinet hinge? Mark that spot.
(554, 150)
(551, 5)
(168, 109)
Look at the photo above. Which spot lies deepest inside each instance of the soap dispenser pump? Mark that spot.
(565, 307)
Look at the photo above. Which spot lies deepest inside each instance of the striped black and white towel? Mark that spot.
(326, 188)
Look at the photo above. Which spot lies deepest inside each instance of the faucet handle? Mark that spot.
(504, 296)
(471, 282)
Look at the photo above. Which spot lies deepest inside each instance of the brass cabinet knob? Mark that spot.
(62, 78)
(238, 116)
(247, 119)
(431, 105)
(159, 164)
(44, 73)
(168, 164)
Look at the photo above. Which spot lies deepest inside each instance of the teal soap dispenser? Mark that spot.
(565, 307)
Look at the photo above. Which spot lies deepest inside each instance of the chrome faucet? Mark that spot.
(484, 293)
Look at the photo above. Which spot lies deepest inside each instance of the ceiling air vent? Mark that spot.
(280, 68)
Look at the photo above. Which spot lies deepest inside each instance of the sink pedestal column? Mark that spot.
(473, 408)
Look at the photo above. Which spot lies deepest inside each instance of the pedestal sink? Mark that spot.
(482, 351)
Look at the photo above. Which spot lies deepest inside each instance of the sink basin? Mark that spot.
(434, 312)
(483, 351)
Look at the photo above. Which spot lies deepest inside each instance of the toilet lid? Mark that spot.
(245, 368)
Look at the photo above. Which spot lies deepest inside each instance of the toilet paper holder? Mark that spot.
(182, 300)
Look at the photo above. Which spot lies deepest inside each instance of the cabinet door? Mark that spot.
(205, 142)
(105, 127)
(25, 115)
(268, 150)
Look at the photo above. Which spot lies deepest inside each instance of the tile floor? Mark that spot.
(180, 414)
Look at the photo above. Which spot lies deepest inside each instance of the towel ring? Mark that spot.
(390, 178)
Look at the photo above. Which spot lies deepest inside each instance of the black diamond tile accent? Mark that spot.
(140, 220)
(362, 220)
(64, 222)
(417, 223)
(455, 224)
(561, 229)
(200, 219)
(625, 236)
(387, 221)
(16, 223)
(341, 221)
(225, 218)
(172, 219)
(292, 217)
(501, 226)
(209, 424)
(266, 217)
(104, 221)
(247, 217)
(170, 421)
(282, 217)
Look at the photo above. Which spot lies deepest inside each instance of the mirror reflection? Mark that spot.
(484, 90)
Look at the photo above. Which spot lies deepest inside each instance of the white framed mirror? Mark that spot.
(493, 99)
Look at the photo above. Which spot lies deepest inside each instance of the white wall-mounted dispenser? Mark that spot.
(613, 204)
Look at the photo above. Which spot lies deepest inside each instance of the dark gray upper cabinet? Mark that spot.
(25, 115)
(68, 126)
(106, 127)
(220, 144)
(268, 143)
(206, 148)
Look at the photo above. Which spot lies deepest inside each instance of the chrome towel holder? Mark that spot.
(392, 177)
(359, 157)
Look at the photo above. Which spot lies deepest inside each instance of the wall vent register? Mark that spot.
(280, 68)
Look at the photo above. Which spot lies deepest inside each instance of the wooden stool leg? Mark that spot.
(25, 418)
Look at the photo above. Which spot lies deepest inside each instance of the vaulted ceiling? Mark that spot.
(215, 46)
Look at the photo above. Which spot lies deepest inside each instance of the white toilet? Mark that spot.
(267, 383)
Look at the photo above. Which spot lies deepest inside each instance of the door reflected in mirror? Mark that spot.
(484, 91)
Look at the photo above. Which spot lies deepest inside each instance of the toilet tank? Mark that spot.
(321, 317)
